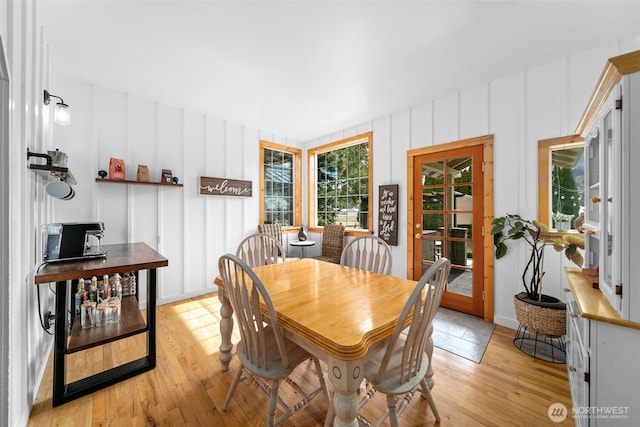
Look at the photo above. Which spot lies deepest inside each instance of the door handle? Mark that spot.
(418, 235)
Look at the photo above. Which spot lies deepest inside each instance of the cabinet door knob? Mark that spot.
(572, 368)
(591, 232)
(567, 290)
(572, 314)
(595, 199)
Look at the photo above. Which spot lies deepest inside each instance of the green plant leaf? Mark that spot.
(501, 250)
(497, 228)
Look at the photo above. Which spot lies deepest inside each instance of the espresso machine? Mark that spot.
(72, 241)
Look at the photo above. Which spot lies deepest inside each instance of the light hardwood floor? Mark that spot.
(508, 388)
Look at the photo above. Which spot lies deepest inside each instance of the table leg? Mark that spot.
(226, 327)
(346, 377)
(59, 346)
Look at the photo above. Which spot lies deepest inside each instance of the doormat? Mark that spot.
(461, 334)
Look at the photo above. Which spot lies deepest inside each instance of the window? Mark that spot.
(560, 179)
(340, 175)
(280, 184)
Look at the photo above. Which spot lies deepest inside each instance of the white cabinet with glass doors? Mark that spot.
(603, 324)
(609, 199)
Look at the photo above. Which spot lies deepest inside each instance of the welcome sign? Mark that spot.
(224, 187)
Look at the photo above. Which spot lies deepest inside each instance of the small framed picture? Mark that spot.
(167, 176)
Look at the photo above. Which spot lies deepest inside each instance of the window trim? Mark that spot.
(297, 180)
(313, 173)
(545, 147)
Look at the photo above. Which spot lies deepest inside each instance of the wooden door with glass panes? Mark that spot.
(448, 215)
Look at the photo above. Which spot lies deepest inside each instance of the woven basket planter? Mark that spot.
(547, 317)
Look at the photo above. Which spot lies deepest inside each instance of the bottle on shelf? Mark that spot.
(116, 302)
(101, 314)
(117, 284)
(106, 287)
(87, 313)
(93, 292)
(81, 295)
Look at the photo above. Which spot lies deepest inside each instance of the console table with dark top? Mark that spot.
(120, 258)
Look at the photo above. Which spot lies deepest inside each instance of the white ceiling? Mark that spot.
(307, 68)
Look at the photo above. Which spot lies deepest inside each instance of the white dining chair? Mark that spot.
(399, 368)
(266, 356)
(367, 252)
(260, 249)
(275, 230)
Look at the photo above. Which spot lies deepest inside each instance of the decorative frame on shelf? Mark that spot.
(167, 176)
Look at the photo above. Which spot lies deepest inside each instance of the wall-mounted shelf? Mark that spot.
(48, 168)
(130, 181)
(59, 172)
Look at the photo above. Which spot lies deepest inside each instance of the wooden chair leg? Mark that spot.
(323, 384)
(391, 405)
(426, 393)
(234, 384)
(273, 402)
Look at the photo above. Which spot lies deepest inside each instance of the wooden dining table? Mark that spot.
(337, 313)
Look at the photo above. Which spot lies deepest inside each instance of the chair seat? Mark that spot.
(275, 369)
(335, 260)
(390, 383)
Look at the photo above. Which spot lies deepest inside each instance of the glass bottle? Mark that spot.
(117, 286)
(87, 313)
(105, 285)
(101, 314)
(81, 295)
(93, 291)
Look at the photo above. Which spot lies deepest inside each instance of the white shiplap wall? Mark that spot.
(191, 230)
(518, 109)
(25, 345)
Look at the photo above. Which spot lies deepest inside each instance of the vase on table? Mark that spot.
(302, 234)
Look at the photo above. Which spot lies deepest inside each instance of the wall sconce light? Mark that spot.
(62, 115)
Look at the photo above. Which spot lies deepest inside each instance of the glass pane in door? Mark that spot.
(447, 219)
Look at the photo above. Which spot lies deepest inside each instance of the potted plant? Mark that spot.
(538, 313)
(562, 221)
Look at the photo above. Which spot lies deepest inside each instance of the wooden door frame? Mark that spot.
(487, 142)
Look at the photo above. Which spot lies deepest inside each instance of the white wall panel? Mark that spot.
(215, 216)
(583, 71)
(474, 112)
(195, 248)
(78, 142)
(422, 125)
(170, 203)
(251, 205)
(543, 102)
(445, 119)
(400, 143)
(506, 119)
(234, 168)
(25, 345)
(112, 132)
(143, 139)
